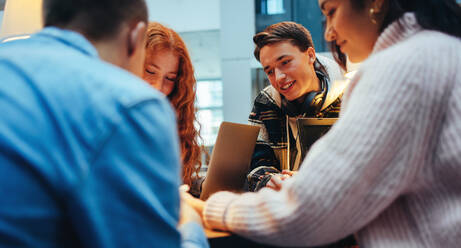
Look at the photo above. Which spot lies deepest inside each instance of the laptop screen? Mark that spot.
(311, 129)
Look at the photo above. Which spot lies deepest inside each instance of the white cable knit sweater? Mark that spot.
(390, 168)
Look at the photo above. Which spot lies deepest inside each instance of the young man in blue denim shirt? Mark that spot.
(89, 152)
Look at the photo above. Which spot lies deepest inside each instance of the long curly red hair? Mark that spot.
(182, 97)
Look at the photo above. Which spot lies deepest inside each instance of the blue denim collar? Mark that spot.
(70, 38)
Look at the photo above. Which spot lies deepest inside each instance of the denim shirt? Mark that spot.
(89, 153)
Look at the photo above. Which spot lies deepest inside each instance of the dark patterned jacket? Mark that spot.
(270, 114)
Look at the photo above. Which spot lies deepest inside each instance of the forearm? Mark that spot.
(308, 209)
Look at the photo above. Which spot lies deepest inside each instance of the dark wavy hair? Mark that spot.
(439, 15)
(293, 32)
(96, 19)
(182, 97)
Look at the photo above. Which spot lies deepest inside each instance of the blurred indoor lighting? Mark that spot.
(349, 75)
(20, 19)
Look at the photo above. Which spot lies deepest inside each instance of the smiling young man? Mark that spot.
(371, 176)
(300, 82)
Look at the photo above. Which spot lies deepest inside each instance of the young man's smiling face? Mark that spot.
(290, 71)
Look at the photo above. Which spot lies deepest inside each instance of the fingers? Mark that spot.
(184, 188)
(276, 179)
(187, 198)
(188, 214)
(275, 183)
(288, 172)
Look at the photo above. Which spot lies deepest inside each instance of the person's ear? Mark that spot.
(311, 54)
(377, 10)
(136, 47)
(377, 5)
(136, 38)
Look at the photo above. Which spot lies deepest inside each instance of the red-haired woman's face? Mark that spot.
(161, 70)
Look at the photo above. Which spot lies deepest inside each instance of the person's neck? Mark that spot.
(110, 52)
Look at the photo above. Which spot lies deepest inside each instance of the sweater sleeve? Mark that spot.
(352, 174)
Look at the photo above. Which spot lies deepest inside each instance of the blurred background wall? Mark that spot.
(219, 35)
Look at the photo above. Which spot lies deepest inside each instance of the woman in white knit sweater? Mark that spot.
(390, 169)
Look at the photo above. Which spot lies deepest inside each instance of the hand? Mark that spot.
(289, 173)
(191, 208)
(276, 180)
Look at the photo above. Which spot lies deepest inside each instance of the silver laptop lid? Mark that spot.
(230, 159)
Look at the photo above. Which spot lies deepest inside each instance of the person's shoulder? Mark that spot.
(270, 91)
(435, 46)
(70, 79)
(268, 96)
(428, 38)
(128, 88)
(432, 42)
(61, 68)
(423, 63)
(423, 52)
(333, 69)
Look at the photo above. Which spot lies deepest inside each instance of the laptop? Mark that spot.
(230, 158)
(311, 129)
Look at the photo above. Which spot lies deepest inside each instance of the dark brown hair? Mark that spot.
(96, 19)
(293, 32)
(439, 15)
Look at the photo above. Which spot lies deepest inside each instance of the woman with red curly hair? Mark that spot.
(168, 68)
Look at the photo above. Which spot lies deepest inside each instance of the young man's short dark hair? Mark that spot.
(293, 32)
(96, 19)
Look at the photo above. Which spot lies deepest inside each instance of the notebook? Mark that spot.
(230, 158)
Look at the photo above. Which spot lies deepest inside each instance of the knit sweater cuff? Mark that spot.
(216, 208)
